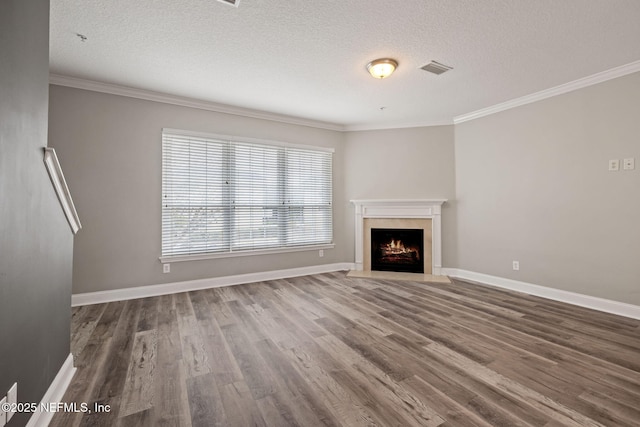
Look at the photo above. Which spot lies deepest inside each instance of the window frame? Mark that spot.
(231, 139)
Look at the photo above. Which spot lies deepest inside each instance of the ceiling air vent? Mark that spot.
(436, 68)
(230, 2)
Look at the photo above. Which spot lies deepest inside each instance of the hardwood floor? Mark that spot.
(331, 350)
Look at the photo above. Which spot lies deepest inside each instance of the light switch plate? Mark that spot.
(614, 165)
(629, 164)
(3, 415)
(12, 397)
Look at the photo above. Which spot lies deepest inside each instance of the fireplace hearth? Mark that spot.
(394, 249)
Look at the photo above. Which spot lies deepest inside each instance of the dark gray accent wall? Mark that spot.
(36, 243)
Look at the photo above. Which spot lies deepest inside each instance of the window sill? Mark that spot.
(200, 257)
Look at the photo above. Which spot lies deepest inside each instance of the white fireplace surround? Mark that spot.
(421, 208)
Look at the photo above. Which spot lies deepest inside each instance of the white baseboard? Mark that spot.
(600, 304)
(54, 393)
(194, 285)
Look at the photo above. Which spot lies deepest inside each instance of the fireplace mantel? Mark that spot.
(401, 209)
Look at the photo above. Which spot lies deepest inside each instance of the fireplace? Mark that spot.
(421, 214)
(394, 249)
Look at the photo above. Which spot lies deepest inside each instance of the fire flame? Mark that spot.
(396, 247)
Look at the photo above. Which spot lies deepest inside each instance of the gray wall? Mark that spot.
(36, 242)
(110, 149)
(533, 186)
(411, 163)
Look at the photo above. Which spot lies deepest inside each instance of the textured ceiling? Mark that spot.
(307, 58)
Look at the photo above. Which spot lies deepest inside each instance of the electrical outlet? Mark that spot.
(12, 398)
(321, 253)
(516, 265)
(3, 414)
(629, 164)
(614, 165)
(166, 268)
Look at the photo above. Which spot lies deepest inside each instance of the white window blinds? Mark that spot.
(221, 196)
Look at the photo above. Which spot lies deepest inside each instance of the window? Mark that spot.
(222, 195)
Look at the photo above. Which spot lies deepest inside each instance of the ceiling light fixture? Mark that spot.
(381, 68)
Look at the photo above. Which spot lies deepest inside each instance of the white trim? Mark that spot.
(595, 303)
(62, 190)
(554, 91)
(400, 208)
(201, 257)
(74, 82)
(147, 95)
(194, 285)
(381, 126)
(54, 393)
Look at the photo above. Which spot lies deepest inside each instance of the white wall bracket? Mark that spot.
(60, 185)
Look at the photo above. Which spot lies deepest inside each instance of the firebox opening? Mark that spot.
(399, 250)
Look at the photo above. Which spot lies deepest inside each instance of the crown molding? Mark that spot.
(356, 128)
(603, 76)
(78, 83)
(147, 95)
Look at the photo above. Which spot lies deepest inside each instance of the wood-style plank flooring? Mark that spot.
(337, 351)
